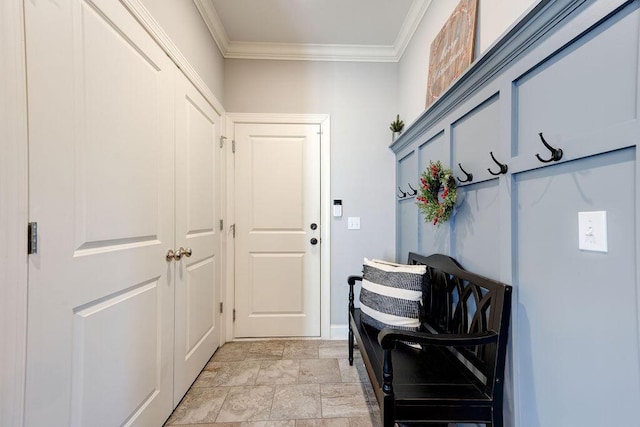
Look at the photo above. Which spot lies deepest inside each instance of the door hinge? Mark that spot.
(32, 238)
(233, 230)
(221, 307)
(222, 138)
(234, 314)
(233, 146)
(221, 224)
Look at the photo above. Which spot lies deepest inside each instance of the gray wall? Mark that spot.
(361, 99)
(574, 355)
(183, 24)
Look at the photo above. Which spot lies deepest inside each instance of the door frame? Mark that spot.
(324, 121)
(13, 214)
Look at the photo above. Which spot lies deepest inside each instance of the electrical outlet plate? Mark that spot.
(353, 223)
(592, 231)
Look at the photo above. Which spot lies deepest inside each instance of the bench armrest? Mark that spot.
(352, 281)
(389, 337)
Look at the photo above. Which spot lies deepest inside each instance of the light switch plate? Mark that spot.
(353, 223)
(592, 231)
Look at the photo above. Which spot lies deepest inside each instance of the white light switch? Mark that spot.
(353, 223)
(592, 231)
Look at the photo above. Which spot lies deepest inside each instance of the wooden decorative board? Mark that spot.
(452, 49)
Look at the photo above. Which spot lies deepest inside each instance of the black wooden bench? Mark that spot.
(458, 374)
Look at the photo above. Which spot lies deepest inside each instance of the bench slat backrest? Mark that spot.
(457, 301)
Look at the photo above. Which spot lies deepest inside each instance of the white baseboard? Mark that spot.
(339, 332)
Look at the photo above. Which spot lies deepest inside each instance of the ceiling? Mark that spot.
(332, 30)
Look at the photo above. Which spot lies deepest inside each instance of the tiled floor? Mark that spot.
(280, 383)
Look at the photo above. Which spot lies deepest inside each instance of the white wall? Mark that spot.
(361, 100)
(184, 25)
(494, 18)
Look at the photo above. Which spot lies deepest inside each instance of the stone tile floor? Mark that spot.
(280, 383)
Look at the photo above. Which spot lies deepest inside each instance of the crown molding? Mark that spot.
(312, 52)
(214, 24)
(410, 25)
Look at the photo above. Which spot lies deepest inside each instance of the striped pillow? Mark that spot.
(391, 294)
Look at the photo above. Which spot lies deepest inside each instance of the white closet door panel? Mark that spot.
(120, 128)
(198, 211)
(100, 341)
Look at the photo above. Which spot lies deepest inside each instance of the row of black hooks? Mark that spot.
(556, 154)
(503, 168)
(405, 194)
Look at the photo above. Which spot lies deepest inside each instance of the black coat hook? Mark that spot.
(468, 177)
(402, 194)
(556, 153)
(503, 168)
(413, 189)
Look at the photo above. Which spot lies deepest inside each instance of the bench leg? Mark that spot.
(497, 421)
(388, 412)
(350, 345)
(496, 416)
(388, 399)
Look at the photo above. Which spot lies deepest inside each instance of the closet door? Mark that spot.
(198, 209)
(101, 294)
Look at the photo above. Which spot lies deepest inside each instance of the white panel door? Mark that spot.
(198, 209)
(277, 194)
(100, 315)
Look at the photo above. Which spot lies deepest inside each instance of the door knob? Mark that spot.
(182, 252)
(314, 241)
(170, 255)
(314, 226)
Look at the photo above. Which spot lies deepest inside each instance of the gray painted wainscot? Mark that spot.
(568, 70)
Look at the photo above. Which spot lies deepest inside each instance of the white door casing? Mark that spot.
(100, 342)
(277, 197)
(198, 211)
(13, 213)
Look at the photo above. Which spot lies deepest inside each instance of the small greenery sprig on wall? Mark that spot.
(438, 193)
(397, 125)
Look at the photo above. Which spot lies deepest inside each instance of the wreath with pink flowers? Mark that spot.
(438, 193)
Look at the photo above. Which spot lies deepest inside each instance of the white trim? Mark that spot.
(410, 26)
(137, 9)
(13, 214)
(325, 208)
(229, 220)
(339, 332)
(312, 52)
(214, 24)
(225, 241)
(325, 217)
